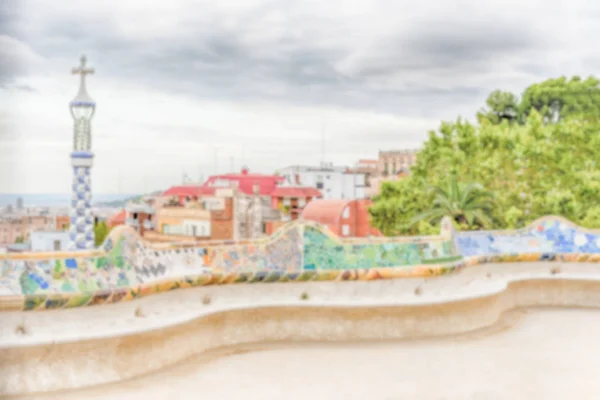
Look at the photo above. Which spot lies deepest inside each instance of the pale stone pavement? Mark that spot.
(532, 354)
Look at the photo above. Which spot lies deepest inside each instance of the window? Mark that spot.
(345, 230)
(135, 216)
(346, 213)
(57, 245)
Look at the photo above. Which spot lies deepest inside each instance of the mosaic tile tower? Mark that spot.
(82, 110)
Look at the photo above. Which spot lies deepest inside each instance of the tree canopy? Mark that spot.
(538, 166)
(101, 231)
(554, 99)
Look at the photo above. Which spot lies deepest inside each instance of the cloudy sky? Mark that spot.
(195, 86)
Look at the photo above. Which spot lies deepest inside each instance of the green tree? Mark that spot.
(20, 239)
(469, 205)
(394, 206)
(560, 98)
(532, 169)
(100, 232)
(501, 106)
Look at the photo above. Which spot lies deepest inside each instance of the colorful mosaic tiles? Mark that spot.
(549, 235)
(322, 252)
(126, 267)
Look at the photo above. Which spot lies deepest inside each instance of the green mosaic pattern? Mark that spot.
(324, 252)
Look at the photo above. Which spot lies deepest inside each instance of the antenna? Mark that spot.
(216, 160)
(119, 178)
(322, 143)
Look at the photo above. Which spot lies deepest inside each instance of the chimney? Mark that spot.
(244, 170)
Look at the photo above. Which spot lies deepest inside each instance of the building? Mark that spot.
(247, 183)
(178, 223)
(369, 168)
(334, 183)
(345, 218)
(19, 227)
(12, 229)
(62, 222)
(82, 219)
(389, 167)
(20, 204)
(193, 212)
(49, 241)
(206, 218)
(141, 215)
(249, 205)
(292, 199)
(394, 162)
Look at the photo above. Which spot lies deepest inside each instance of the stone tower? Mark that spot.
(82, 110)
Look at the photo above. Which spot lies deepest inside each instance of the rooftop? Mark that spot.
(296, 192)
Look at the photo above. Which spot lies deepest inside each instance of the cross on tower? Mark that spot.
(82, 69)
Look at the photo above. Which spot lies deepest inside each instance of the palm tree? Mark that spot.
(465, 203)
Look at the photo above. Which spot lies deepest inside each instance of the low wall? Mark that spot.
(163, 330)
(126, 267)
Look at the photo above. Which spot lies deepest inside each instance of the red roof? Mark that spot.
(192, 191)
(372, 162)
(296, 192)
(118, 218)
(245, 182)
(326, 212)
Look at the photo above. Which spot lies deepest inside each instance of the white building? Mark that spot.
(335, 183)
(49, 241)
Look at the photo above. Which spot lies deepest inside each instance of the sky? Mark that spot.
(197, 87)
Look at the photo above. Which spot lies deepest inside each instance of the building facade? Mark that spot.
(393, 162)
(19, 228)
(292, 200)
(218, 214)
(247, 183)
(181, 223)
(49, 241)
(345, 218)
(334, 183)
(140, 216)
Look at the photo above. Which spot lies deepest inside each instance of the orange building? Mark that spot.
(346, 218)
(293, 199)
(62, 222)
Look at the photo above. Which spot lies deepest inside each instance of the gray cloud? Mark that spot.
(424, 64)
(428, 63)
